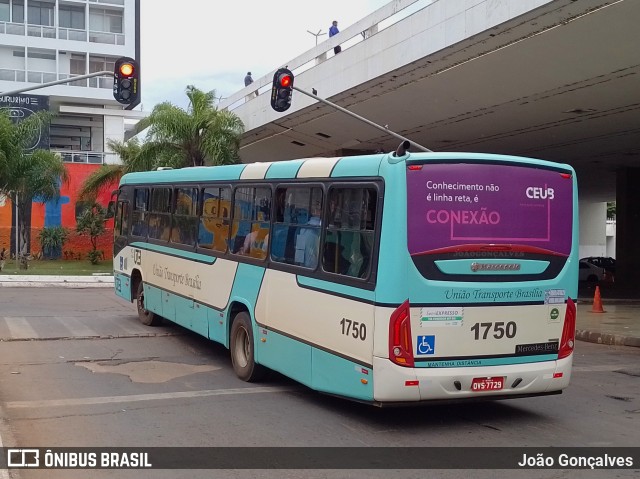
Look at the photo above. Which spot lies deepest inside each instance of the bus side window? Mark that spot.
(213, 230)
(349, 233)
(296, 229)
(160, 215)
(139, 216)
(185, 219)
(251, 221)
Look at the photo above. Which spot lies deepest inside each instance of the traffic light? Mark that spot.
(282, 90)
(126, 81)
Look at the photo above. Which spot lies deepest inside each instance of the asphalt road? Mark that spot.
(77, 370)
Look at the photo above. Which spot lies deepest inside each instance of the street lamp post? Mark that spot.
(316, 34)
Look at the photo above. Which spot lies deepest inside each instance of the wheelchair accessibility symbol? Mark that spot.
(426, 345)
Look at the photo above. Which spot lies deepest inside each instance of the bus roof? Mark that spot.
(336, 167)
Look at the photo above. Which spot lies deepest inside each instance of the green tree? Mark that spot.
(91, 223)
(52, 240)
(109, 175)
(202, 135)
(26, 175)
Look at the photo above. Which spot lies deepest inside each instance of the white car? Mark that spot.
(590, 272)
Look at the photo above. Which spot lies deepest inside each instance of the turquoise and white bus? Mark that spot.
(381, 278)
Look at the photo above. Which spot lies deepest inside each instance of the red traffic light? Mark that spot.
(282, 89)
(285, 80)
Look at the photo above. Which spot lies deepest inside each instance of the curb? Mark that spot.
(606, 338)
(36, 281)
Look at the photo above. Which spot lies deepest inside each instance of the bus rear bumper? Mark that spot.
(393, 383)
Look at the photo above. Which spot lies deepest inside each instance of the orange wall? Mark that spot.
(63, 213)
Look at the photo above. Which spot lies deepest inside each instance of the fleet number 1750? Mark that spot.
(498, 330)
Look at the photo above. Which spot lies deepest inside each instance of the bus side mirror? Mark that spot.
(111, 210)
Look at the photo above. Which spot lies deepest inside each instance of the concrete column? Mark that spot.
(113, 130)
(592, 234)
(628, 230)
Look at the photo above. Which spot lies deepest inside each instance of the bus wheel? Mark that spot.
(242, 356)
(146, 317)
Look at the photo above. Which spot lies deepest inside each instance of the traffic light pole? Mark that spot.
(368, 122)
(58, 82)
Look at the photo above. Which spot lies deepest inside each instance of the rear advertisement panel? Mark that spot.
(469, 204)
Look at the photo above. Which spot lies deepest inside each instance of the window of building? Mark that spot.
(185, 218)
(101, 64)
(5, 11)
(104, 20)
(139, 217)
(213, 231)
(349, 232)
(160, 215)
(18, 11)
(251, 221)
(71, 17)
(297, 226)
(40, 13)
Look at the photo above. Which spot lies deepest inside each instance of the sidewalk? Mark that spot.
(35, 281)
(619, 324)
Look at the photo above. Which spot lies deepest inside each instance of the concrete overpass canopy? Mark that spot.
(551, 79)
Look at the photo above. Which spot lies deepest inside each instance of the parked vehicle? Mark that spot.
(589, 272)
(609, 264)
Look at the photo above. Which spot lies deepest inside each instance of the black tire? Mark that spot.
(242, 349)
(146, 317)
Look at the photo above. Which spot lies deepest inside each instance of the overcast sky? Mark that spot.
(212, 44)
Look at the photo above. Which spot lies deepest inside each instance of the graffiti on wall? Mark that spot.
(60, 212)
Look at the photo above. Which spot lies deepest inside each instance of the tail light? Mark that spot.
(400, 345)
(569, 331)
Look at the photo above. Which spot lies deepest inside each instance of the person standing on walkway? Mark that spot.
(3, 257)
(333, 30)
(248, 80)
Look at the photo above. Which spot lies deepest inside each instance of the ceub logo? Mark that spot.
(539, 193)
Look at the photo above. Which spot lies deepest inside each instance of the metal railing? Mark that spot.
(103, 37)
(104, 82)
(72, 34)
(41, 31)
(12, 28)
(45, 31)
(91, 157)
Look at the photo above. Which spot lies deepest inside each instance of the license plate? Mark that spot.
(487, 384)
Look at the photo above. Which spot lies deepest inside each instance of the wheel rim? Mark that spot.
(241, 347)
(141, 308)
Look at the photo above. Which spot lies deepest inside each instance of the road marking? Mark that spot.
(76, 327)
(143, 397)
(19, 328)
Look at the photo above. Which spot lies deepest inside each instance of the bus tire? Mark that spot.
(242, 349)
(146, 317)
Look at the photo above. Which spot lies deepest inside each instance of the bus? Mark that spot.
(381, 278)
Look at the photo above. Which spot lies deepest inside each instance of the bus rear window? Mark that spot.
(458, 207)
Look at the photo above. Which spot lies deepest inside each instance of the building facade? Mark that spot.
(48, 40)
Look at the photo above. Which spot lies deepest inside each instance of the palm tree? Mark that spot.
(203, 135)
(25, 176)
(200, 136)
(109, 175)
